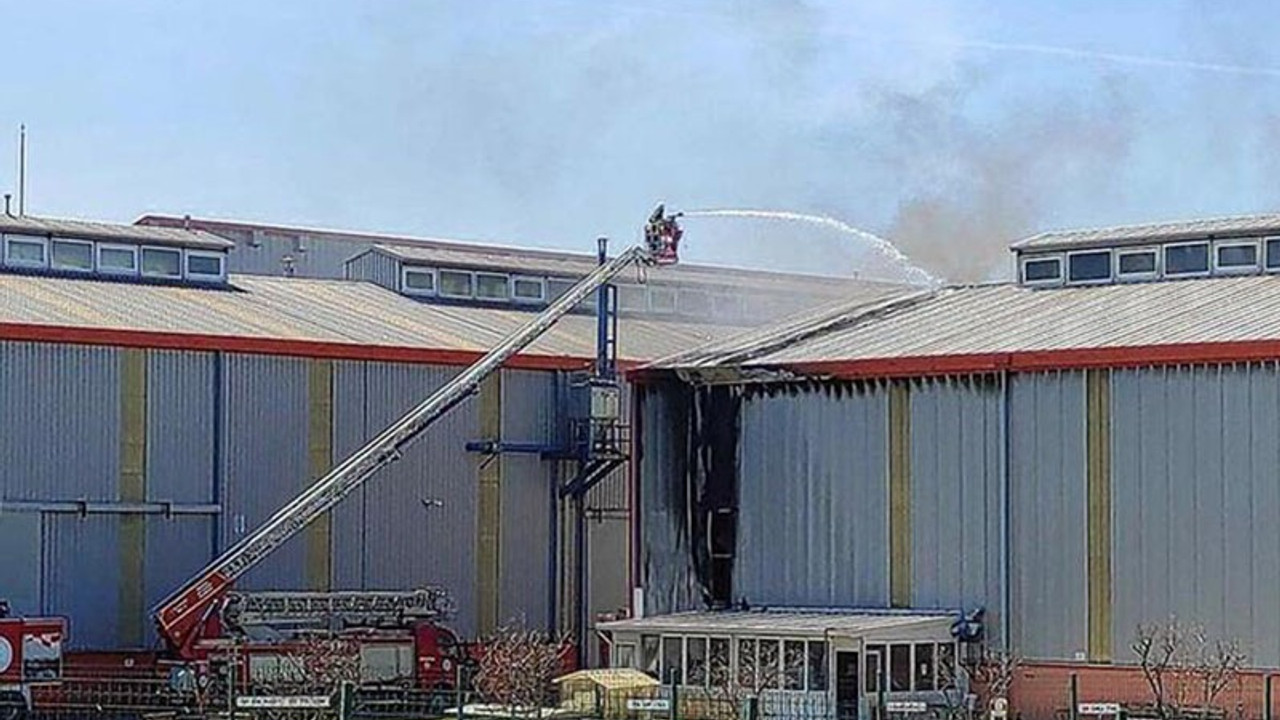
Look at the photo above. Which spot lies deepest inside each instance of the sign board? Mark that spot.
(31, 649)
(1099, 709)
(999, 709)
(648, 705)
(282, 701)
(905, 706)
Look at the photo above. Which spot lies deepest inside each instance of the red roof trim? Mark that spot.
(1033, 360)
(276, 346)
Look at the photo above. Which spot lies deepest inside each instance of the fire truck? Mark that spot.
(218, 641)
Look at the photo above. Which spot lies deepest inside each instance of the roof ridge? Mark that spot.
(1120, 227)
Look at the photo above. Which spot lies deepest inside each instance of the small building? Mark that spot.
(800, 663)
(604, 692)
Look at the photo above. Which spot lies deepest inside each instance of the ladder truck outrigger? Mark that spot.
(195, 620)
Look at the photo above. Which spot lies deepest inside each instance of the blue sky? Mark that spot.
(951, 127)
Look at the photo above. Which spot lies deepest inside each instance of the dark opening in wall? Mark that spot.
(714, 466)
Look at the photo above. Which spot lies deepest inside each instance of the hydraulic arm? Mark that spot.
(181, 616)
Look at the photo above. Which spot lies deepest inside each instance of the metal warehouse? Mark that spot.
(159, 405)
(1091, 447)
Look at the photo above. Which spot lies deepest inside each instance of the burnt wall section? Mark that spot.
(667, 569)
(813, 513)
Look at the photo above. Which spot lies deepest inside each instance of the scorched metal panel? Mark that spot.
(667, 572)
(956, 446)
(61, 438)
(1047, 485)
(814, 498)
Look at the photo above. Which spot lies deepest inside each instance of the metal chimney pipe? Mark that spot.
(8, 198)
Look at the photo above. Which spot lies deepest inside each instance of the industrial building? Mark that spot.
(1093, 446)
(164, 393)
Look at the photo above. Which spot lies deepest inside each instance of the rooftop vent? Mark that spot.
(92, 249)
(1143, 253)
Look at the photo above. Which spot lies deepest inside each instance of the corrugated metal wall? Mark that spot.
(266, 458)
(813, 498)
(389, 535)
(311, 258)
(528, 415)
(376, 268)
(956, 495)
(1196, 452)
(1047, 519)
(61, 405)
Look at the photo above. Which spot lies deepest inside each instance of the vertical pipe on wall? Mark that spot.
(132, 489)
(319, 554)
(489, 508)
(899, 494)
(559, 439)
(219, 432)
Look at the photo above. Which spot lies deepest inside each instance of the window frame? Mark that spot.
(1047, 257)
(1066, 275)
(1219, 269)
(133, 250)
(1164, 259)
(40, 240)
(653, 306)
(1265, 242)
(142, 255)
(471, 284)
(207, 254)
(542, 289)
(407, 270)
(1120, 276)
(93, 256)
(475, 286)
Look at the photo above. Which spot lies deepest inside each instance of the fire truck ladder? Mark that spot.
(181, 616)
(357, 608)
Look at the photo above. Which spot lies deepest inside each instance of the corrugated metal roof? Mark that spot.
(1238, 226)
(323, 311)
(578, 264)
(1009, 319)
(780, 622)
(92, 230)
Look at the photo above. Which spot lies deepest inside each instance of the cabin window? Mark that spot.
(1089, 267)
(1186, 259)
(490, 286)
(417, 281)
(650, 655)
(1273, 253)
(456, 284)
(528, 289)
(900, 668)
(817, 666)
(925, 671)
(769, 665)
(161, 262)
(26, 251)
(1235, 257)
(719, 663)
(696, 661)
(118, 259)
(1136, 264)
(794, 660)
(74, 255)
(205, 265)
(747, 663)
(1042, 271)
(673, 660)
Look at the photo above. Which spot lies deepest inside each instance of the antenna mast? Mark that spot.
(22, 170)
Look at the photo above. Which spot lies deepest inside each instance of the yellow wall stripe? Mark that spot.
(900, 495)
(132, 489)
(319, 461)
(489, 508)
(1098, 442)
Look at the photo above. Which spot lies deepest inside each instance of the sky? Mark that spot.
(951, 128)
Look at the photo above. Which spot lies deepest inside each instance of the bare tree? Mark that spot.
(991, 675)
(517, 666)
(1184, 668)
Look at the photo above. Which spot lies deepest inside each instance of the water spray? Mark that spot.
(884, 248)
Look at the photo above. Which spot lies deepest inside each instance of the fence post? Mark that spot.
(1074, 711)
(675, 696)
(1267, 710)
(458, 697)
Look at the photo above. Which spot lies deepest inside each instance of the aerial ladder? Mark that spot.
(181, 618)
